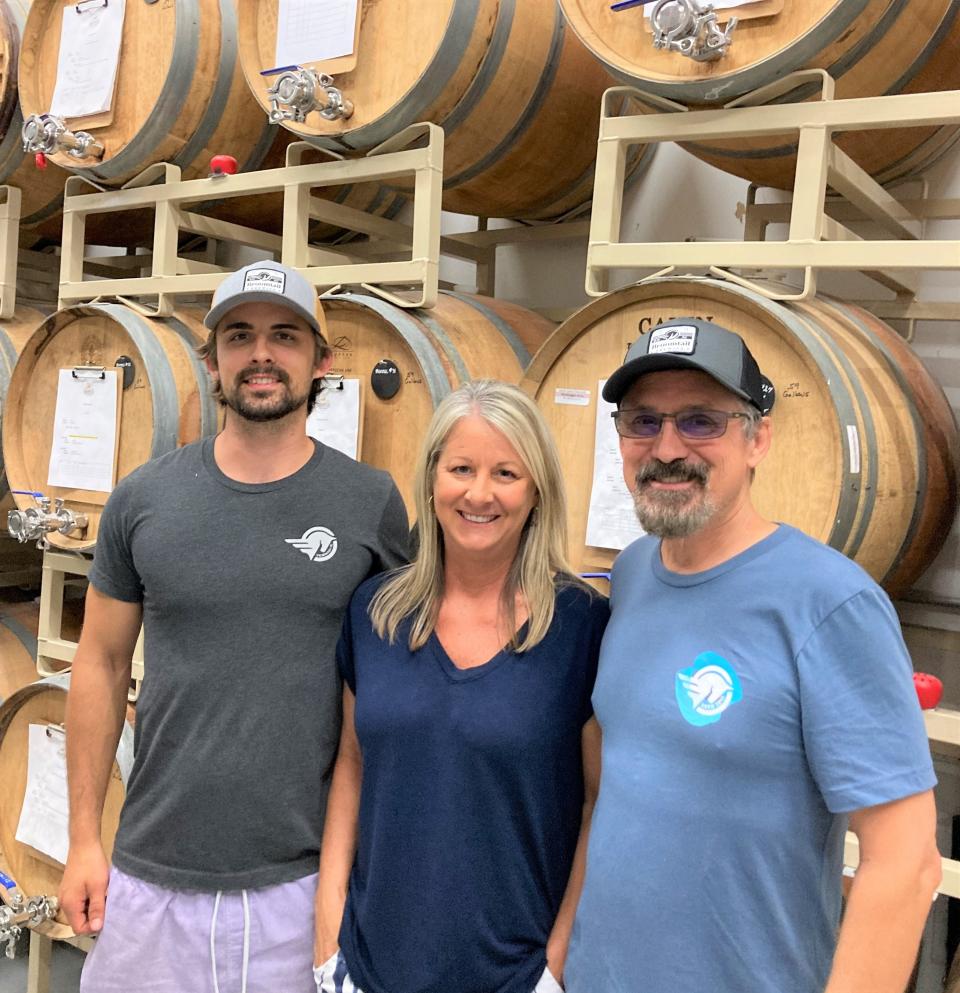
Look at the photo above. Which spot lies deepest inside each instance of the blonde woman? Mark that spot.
(452, 856)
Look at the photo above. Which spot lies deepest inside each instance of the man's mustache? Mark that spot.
(264, 370)
(677, 471)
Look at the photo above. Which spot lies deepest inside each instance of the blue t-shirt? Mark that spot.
(471, 802)
(745, 710)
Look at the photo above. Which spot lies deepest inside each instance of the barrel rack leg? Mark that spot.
(38, 966)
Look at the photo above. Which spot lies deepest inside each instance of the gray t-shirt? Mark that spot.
(243, 589)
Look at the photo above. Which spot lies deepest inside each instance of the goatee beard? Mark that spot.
(260, 411)
(672, 513)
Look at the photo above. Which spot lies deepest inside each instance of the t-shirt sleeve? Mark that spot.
(862, 726)
(393, 545)
(114, 572)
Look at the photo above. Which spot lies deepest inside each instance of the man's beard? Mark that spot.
(260, 408)
(672, 513)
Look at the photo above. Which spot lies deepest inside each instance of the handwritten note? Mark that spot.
(89, 55)
(44, 818)
(315, 30)
(611, 521)
(84, 447)
(335, 419)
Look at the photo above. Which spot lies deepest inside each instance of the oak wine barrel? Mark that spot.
(517, 94)
(165, 402)
(865, 446)
(180, 97)
(37, 873)
(41, 189)
(870, 47)
(463, 337)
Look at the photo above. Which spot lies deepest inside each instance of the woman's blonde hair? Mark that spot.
(417, 590)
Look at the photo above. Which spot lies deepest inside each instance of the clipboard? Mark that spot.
(78, 493)
(332, 67)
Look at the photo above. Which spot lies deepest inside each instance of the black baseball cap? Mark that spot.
(689, 343)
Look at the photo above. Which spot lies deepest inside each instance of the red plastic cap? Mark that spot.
(929, 689)
(40, 160)
(221, 165)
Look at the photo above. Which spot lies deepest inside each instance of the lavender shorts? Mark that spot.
(156, 940)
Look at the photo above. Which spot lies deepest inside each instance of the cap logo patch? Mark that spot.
(264, 279)
(678, 338)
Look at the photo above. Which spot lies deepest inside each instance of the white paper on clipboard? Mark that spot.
(315, 30)
(88, 59)
(85, 429)
(335, 419)
(44, 817)
(611, 519)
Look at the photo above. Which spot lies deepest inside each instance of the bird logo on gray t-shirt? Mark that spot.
(318, 544)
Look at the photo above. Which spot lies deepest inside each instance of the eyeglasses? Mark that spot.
(695, 425)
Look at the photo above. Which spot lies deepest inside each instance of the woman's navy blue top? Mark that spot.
(471, 802)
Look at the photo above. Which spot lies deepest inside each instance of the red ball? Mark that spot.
(40, 160)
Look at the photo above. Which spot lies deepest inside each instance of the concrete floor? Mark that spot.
(64, 973)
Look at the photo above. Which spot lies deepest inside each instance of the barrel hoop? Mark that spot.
(741, 153)
(529, 114)
(61, 681)
(208, 403)
(8, 359)
(220, 95)
(936, 39)
(413, 107)
(137, 154)
(446, 345)
(919, 158)
(509, 335)
(488, 68)
(25, 637)
(915, 418)
(11, 147)
(868, 465)
(55, 206)
(10, 108)
(163, 386)
(794, 56)
(850, 58)
(434, 374)
(849, 499)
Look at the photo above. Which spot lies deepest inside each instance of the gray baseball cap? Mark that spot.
(689, 343)
(265, 282)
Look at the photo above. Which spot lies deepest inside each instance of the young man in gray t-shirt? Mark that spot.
(238, 554)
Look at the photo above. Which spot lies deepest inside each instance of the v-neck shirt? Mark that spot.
(471, 802)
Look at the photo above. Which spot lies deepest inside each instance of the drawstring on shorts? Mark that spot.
(246, 941)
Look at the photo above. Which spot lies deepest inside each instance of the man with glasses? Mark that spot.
(755, 697)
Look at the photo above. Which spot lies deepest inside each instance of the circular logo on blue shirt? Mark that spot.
(707, 689)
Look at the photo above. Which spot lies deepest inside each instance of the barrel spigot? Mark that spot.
(690, 27)
(49, 134)
(24, 913)
(35, 523)
(298, 92)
